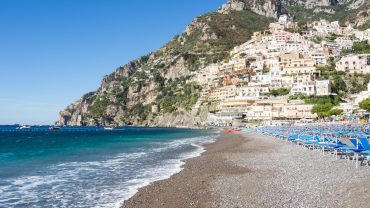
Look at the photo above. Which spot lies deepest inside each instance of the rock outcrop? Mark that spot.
(349, 11)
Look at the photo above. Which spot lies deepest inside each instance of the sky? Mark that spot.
(53, 52)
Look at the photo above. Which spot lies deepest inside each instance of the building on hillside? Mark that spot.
(306, 89)
(234, 108)
(251, 91)
(227, 67)
(296, 37)
(297, 111)
(223, 93)
(278, 110)
(348, 108)
(288, 47)
(283, 19)
(274, 27)
(353, 103)
(357, 98)
(286, 58)
(324, 28)
(261, 78)
(281, 36)
(319, 58)
(287, 81)
(344, 42)
(239, 64)
(206, 75)
(331, 49)
(322, 87)
(302, 78)
(275, 78)
(354, 64)
(265, 109)
(230, 79)
(300, 66)
(362, 35)
(259, 112)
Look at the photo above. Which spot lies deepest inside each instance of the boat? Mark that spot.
(108, 128)
(21, 127)
(54, 128)
(232, 130)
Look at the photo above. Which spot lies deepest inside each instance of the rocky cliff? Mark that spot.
(156, 90)
(346, 11)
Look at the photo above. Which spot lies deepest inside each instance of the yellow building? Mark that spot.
(223, 93)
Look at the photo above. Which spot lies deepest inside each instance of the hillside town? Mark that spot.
(280, 72)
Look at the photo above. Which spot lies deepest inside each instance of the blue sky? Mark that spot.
(53, 52)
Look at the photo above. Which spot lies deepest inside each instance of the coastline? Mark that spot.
(251, 170)
(191, 186)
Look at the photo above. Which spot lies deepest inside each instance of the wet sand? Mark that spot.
(258, 171)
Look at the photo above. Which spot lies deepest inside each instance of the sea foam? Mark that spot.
(103, 182)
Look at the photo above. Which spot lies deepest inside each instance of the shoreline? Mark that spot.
(191, 186)
(253, 170)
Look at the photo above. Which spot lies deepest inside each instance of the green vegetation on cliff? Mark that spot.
(178, 95)
(339, 12)
(213, 35)
(99, 106)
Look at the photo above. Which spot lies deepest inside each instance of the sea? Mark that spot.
(90, 166)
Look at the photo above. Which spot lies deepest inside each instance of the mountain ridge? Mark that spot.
(346, 11)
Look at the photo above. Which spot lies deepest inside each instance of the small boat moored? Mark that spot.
(54, 128)
(22, 127)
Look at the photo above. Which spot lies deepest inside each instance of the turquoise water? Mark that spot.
(89, 166)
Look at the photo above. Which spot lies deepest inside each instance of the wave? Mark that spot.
(172, 166)
(104, 183)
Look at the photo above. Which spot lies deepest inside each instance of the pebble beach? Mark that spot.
(252, 170)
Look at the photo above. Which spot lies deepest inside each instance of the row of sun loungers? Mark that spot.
(341, 141)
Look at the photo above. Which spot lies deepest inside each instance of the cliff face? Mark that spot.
(346, 11)
(156, 90)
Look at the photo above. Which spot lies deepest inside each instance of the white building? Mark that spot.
(319, 58)
(362, 35)
(322, 87)
(251, 91)
(259, 112)
(306, 89)
(357, 98)
(283, 19)
(345, 43)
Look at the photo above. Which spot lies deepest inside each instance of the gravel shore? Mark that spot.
(251, 170)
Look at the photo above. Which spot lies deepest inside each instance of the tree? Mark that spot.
(332, 37)
(280, 92)
(361, 47)
(322, 110)
(335, 112)
(339, 85)
(302, 24)
(365, 104)
(265, 69)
